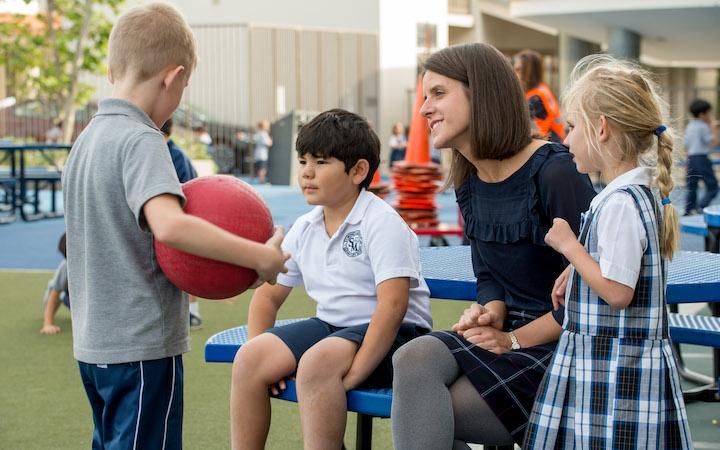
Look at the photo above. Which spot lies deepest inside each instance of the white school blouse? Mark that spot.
(621, 235)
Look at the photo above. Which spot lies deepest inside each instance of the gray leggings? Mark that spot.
(434, 405)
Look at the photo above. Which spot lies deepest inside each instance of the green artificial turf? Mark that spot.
(43, 403)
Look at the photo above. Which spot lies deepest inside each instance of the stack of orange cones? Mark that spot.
(377, 187)
(417, 179)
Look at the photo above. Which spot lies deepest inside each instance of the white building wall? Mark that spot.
(392, 24)
(398, 56)
(348, 15)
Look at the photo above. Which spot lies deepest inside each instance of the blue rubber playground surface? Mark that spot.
(33, 245)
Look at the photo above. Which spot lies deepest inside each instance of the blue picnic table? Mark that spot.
(692, 277)
(21, 185)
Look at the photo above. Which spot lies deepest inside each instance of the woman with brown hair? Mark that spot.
(477, 383)
(544, 108)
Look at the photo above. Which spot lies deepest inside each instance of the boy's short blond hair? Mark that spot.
(149, 38)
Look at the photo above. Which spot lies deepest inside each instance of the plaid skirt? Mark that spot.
(508, 382)
(628, 389)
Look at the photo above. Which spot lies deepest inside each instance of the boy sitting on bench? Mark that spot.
(360, 262)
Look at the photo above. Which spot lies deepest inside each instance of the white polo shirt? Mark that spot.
(341, 273)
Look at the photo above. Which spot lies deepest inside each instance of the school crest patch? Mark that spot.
(353, 244)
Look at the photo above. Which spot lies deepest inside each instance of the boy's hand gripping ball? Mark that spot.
(232, 205)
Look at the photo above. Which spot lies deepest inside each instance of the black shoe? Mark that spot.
(195, 322)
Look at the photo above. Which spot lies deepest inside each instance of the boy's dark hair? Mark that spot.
(698, 107)
(342, 135)
(62, 247)
(167, 127)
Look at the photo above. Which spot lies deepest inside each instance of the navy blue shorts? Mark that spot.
(300, 336)
(260, 164)
(137, 404)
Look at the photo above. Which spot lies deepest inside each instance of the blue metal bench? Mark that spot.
(695, 329)
(692, 277)
(707, 225)
(7, 199)
(367, 403)
(694, 224)
(28, 181)
(221, 347)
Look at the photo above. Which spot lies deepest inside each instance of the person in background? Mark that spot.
(398, 143)
(263, 142)
(54, 134)
(56, 293)
(185, 172)
(701, 137)
(544, 108)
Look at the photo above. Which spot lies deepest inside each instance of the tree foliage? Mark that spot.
(45, 55)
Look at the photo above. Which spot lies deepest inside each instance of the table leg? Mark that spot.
(712, 240)
(683, 371)
(363, 439)
(710, 392)
(23, 187)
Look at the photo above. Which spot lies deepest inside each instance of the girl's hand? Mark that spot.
(489, 338)
(558, 290)
(560, 236)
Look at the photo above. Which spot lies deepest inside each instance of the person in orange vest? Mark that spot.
(544, 108)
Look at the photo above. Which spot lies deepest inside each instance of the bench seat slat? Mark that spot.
(695, 329)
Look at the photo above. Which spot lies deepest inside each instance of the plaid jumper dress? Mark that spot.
(613, 382)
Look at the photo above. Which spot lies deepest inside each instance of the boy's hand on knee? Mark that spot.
(274, 262)
(276, 388)
(351, 381)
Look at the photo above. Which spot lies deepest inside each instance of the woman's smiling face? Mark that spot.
(447, 110)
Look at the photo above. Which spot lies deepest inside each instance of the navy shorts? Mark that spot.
(261, 164)
(137, 404)
(300, 336)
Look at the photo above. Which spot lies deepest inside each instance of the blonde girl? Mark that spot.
(613, 382)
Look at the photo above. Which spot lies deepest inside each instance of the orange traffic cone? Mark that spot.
(417, 178)
(377, 186)
(418, 147)
(376, 178)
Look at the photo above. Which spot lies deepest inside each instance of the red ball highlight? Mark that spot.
(232, 205)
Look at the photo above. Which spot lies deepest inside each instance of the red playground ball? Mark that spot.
(234, 206)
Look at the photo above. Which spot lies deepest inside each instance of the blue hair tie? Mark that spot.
(665, 201)
(659, 130)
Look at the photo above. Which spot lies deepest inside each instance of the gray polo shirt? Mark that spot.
(124, 309)
(697, 138)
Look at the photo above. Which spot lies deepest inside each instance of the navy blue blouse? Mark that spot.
(506, 223)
